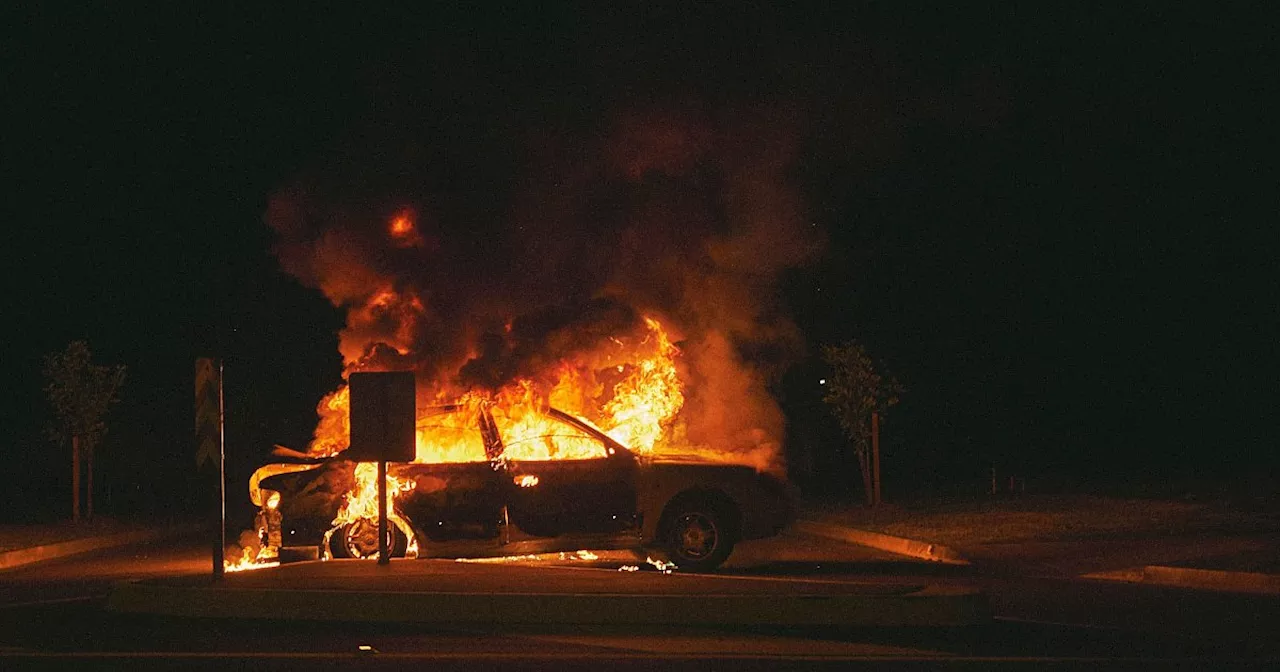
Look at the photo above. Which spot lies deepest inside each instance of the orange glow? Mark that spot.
(636, 409)
(649, 397)
(361, 503)
(248, 562)
(333, 434)
(403, 229)
(529, 434)
(362, 500)
(401, 225)
(629, 388)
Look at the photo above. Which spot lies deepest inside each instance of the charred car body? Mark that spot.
(567, 486)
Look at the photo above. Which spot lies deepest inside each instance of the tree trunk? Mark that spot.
(874, 461)
(75, 479)
(88, 492)
(865, 468)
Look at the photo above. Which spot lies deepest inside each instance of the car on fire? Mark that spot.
(567, 486)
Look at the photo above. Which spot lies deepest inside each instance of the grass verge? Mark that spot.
(994, 520)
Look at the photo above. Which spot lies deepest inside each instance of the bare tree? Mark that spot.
(81, 393)
(856, 391)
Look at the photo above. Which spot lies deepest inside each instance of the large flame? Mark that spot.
(631, 391)
(648, 398)
(628, 387)
(630, 279)
(360, 504)
(362, 501)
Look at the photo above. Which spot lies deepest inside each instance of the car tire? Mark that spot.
(699, 534)
(359, 540)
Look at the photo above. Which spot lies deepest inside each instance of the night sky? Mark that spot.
(1052, 225)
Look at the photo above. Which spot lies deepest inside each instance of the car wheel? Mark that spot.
(699, 536)
(359, 540)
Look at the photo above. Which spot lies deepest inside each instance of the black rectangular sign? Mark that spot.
(383, 416)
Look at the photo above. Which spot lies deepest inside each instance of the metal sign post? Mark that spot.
(383, 418)
(384, 553)
(211, 446)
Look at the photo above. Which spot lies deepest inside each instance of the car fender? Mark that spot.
(761, 509)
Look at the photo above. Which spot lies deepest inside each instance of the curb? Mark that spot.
(884, 542)
(26, 556)
(1206, 579)
(925, 608)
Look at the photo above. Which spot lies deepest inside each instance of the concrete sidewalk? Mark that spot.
(449, 592)
(21, 557)
(1177, 561)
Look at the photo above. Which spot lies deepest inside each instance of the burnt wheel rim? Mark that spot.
(361, 539)
(696, 536)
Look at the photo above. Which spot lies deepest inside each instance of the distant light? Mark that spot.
(822, 381)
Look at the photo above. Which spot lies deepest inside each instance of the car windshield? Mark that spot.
(533, 436)
(450, 435)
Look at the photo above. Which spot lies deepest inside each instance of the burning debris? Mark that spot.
(247, 563)
(662, 566)
(259, 548)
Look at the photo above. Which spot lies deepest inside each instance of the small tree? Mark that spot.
(855, 391)
(81, 393)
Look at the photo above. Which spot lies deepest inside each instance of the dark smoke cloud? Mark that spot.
(537, 341)
(531, 250)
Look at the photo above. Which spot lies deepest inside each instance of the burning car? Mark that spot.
(503, 484)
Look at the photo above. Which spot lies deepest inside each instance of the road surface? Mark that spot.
(51, 615)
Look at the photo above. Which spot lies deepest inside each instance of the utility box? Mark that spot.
(383, 417)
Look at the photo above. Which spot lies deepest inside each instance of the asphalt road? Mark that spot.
(51, 615)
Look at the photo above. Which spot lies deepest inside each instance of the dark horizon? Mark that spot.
(1048, 225)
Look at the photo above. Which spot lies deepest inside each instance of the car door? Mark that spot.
(456, 493)
(564, 477)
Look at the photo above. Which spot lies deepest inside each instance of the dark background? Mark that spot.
(1052, 225)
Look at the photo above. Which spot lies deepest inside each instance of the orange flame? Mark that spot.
(646, 400)
(362, 501)
(636, 409)
(629, 388)
(248, 562)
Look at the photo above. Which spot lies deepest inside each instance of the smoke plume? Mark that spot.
(477, 259)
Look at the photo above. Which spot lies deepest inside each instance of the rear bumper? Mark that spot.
(772, 512)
